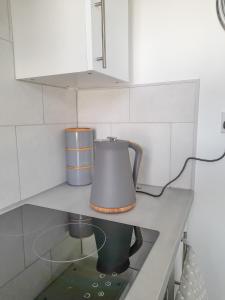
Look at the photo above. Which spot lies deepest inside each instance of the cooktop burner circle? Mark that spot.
(43, 236)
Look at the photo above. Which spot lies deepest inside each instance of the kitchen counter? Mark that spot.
(167, 214)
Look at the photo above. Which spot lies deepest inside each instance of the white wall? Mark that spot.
(181, 39)
(32, 119)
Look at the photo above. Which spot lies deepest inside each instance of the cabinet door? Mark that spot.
(110, 28)
(49, 37)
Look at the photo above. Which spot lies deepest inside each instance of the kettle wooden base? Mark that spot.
(112, 210)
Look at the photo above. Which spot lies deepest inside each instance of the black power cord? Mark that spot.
(182, 170)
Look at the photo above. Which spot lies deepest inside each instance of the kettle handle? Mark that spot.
(138, 242)
(137, 160)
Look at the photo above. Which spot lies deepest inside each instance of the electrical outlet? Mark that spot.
(223, 122)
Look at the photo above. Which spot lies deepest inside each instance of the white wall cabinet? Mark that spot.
(82, 43)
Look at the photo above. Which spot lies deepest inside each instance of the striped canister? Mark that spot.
(79, 155)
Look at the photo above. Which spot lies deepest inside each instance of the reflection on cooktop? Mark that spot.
(67, 256)
(81, 280)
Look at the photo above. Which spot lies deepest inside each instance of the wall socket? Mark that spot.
(223, 122)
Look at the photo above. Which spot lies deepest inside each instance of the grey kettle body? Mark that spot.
(114, 182)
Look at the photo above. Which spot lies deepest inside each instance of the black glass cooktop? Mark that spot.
(62, 256)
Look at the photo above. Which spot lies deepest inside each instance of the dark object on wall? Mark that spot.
(220, 9)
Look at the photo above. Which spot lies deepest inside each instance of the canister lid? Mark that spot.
(78, 129)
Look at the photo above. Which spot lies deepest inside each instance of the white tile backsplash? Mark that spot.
(59, 105)
(9, 179)
(41, 157)
(103, 105)
(68, 250)
(4, 22)
(155, 141)
(89, 246)
(40, 144)
(22, 272)
(173, 102)
(11, 246)
(182, 146)
(161, 118)
(37, 220)
(29, 283)
(26, 104)
(29, 104)
(20, 102)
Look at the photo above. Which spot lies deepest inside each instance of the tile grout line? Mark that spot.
(129, 106)
(24, 256)
(5, 40)
(193, 165)
(98, 123)
(195, 132)
(143, 122)
(43, 105)
(14, 64)
(51, 265)
(21, 212)
(18, 162)
(170, 172)
(9, 15)
(39, 124)
(21, 272)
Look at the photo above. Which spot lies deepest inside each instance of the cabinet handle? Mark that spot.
(103, 57)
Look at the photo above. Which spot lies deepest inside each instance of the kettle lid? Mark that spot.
(111, 140)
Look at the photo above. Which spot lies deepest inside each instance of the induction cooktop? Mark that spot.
(62, 256)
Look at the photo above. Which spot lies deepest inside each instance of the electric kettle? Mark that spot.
(114, 182)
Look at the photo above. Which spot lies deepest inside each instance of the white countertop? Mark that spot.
(167, 214)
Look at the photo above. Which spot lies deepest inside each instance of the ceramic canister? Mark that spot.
(79, 155)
